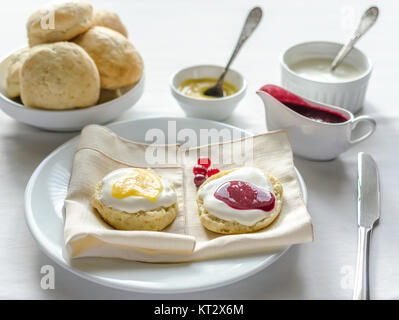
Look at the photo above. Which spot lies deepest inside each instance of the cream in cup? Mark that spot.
(318, 69)
(305, 70)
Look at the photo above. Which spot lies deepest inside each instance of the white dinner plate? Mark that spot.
(44, 200)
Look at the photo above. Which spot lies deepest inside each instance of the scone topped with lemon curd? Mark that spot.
(239, 200)
(135, 199)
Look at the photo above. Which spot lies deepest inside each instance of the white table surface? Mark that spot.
(172, 34)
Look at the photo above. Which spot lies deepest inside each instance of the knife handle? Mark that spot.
(361, 288)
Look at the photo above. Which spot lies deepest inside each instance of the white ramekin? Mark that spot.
(349, 95)
(213, 109)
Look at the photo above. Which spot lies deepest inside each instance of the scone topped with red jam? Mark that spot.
(239, 200)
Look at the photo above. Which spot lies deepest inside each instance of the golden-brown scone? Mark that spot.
(215, 224)
(117, 60)
(105, 18)
(59, 22)
(59, 76)
(14, 68)
(155, 220)
(108, 95)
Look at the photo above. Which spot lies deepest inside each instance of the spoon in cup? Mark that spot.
(366, 21)
(250, 25)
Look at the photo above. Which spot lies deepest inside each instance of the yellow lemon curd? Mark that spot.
(138, 183)
(196, 87)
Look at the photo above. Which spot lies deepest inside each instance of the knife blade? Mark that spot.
(368, 214)
(368, 209)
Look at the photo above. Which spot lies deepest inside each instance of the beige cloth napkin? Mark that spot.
(101, 151)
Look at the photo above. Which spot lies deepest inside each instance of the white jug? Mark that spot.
(312, 139)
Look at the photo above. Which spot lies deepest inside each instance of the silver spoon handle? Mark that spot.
(250, 25)
(366, 21)
(361, 288)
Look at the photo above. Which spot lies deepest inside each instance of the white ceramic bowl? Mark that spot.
(349, 94)
(212, 109)
(68, 120)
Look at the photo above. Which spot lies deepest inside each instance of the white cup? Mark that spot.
(347, 94)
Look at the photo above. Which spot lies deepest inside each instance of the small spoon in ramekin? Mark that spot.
(366, 22)
(250, 25)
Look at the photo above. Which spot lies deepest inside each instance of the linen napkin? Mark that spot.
(101, 151)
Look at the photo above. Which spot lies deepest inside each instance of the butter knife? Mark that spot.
(368, 211)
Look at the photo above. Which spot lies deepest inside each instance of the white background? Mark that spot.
(173, 34)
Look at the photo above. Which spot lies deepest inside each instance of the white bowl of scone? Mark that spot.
(79, 68)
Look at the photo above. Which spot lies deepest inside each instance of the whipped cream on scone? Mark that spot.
(152, 191)
(135, 199)
(224, 211)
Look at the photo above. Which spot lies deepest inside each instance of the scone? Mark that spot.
(135, 199)
(59, 22)
(108, 95)
(111, 20)
(117, 60)
(16, 61)
(59, 76)
(239, 201)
